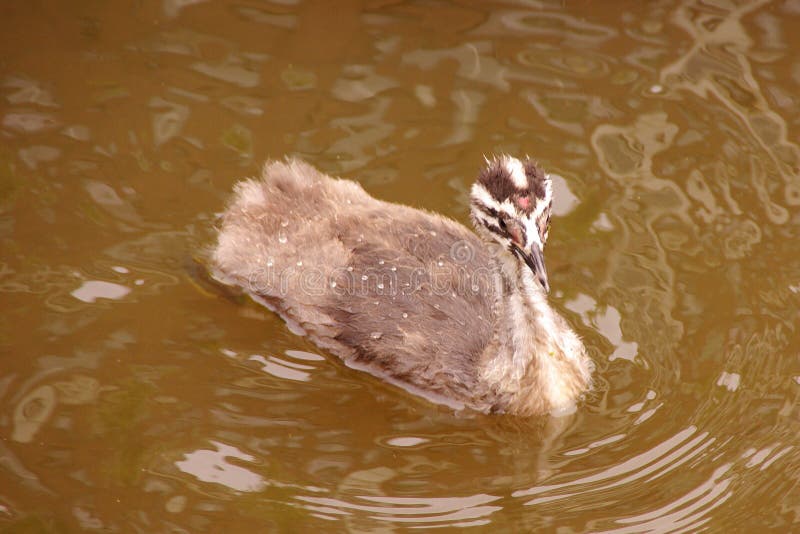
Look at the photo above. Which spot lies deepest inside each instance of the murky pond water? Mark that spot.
(135, 397)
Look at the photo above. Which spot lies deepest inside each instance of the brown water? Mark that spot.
(134, 397)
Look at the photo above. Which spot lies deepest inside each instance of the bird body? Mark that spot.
(411, 296)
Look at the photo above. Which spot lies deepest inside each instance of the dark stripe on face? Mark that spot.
(542, 224)
(513, 231)
(494, 229)
(486, 209)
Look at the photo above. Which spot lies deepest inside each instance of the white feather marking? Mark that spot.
(541, 205)
(483, 196)
(482, 217)
(532, 233)
(516, 170)
(548, 187)
(508, 208)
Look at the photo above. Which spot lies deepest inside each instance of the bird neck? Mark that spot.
(536, 362)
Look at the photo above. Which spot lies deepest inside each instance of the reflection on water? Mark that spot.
(137, 397)
(451, 511)
(212, 466)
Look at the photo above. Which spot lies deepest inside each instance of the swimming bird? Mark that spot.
(408, 295)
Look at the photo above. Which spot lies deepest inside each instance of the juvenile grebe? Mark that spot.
(411, 296)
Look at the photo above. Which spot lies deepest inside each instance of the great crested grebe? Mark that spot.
(408, 295)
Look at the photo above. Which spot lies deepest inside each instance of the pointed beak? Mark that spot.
(534, 259)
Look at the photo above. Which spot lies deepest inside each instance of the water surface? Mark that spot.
(134, 397)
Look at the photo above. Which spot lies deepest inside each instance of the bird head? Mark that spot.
(510, 204)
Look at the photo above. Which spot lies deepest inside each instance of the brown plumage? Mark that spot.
(408, 295)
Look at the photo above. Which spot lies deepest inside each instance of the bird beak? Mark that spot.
(534, 259)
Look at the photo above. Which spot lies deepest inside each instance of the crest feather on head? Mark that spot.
(523, 183)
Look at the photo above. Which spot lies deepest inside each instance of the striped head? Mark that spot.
(510, 204)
